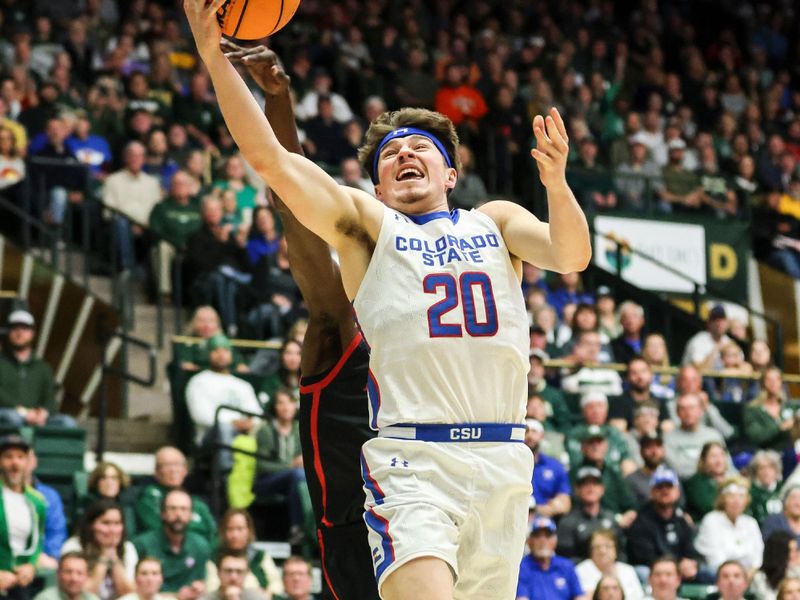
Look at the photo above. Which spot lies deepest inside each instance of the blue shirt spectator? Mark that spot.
(55, 523)
(543, 575)
(550, 478)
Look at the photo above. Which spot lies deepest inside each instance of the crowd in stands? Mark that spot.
(642, 477)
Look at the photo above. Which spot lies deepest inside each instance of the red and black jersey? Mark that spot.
(334, 424)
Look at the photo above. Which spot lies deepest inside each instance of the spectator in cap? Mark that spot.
(21, 536)
(651, 450)
(685, 443)
(637, 179)
(27, 385)
(217, 386)
(594, 407)
(702, 487)
(594, 451)
(543, 574)
(602, 562)
(726, 533)
(732, 580)
(662, 528)
(703, 349)
(551, 489)
(664, 579)
(788, 519)
(764, 471)
(682, 188)
(587, 516)
(72, 576)
(639, 390)
(558, 412)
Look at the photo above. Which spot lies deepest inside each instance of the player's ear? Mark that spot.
(451, 178)
(378, 193)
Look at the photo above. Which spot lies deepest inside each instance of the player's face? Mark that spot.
(413, 176)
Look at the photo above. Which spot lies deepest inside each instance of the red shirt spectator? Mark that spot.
(459, 101)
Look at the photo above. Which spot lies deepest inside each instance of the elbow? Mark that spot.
(575, 262)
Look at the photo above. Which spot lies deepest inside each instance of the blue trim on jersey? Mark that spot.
(454, 215)
(374, 395)
(370, 483)
(380, 526)
(460, 432)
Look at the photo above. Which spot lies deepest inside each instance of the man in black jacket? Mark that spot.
(217, 261)
(662, 528)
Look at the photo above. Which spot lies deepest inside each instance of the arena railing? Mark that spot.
(700, 292)
(98, 246)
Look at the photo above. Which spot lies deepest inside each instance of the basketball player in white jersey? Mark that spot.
(438, 297)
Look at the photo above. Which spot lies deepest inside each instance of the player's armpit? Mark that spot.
(529, 239)
(318, 202)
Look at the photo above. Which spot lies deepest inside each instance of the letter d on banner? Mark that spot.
(722, 261)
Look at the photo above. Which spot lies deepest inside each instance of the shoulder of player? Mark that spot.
(500, 210)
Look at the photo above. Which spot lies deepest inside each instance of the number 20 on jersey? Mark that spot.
(461, 291)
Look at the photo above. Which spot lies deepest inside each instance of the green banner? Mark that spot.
(727, 252)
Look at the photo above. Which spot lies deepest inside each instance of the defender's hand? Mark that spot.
(552, 148)
(202, 17)
(263, 65)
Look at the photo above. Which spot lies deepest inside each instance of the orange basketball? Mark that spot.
(255, 19)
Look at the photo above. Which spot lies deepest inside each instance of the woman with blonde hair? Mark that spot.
(237, 534)
(768, 421)
(602, 564)
(204, 324)
(654, 351)
(726, 533)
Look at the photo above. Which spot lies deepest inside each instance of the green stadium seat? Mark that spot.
(60, 451)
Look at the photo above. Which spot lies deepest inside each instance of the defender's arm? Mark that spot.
(312, 195)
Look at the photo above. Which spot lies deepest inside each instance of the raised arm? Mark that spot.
(562, 245)
(331, 325)
(312, 195)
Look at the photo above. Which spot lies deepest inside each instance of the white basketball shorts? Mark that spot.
(464, 502)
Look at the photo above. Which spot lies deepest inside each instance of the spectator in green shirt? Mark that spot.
(765, 493)
(247, 197)
(171, 472)
(282, 472)
(594, 407)
(768, 421)
(701, 488)
(617, 497)
(682, 188)
(27, 385)
(173, 220)
(183, 554)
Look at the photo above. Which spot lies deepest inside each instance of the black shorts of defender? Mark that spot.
(334, 424)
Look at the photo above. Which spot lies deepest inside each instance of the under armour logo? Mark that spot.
(399, 131)
(396, 460)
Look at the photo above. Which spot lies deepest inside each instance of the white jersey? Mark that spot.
(443, 312)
